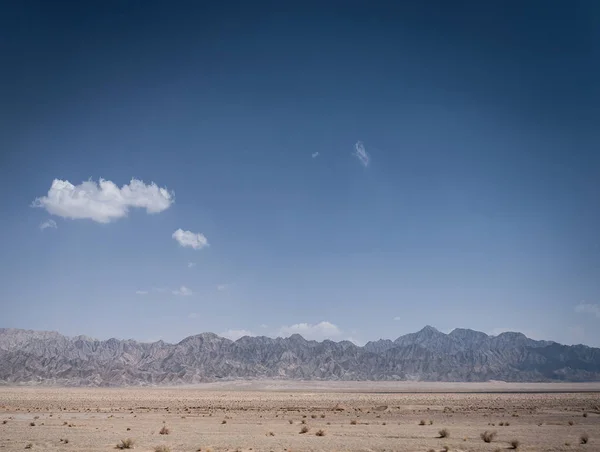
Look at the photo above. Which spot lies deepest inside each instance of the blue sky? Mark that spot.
(339, 169)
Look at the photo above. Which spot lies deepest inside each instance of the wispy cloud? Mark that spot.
(318, 331)
(48, 224)
(397, 318)
(315, 155)
(141, 292)
(191, 264)
(183, 291)
(104, 201)
(190, 239)
(264, 325)
(361, 153)
(588, 308)
(192, 315)
(222, 287)
(234, 335)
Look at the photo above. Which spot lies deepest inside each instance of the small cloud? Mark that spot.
(315, 155)
(264, 325)
(397, 318)
(318, 331)
(183, 291)
(104, 201)
(221, 287)
(191, 264)
(141, 292)
(234, 335)
(190, 239)
(48, 224)
(361, 153)
(588, 308)
(192, 315)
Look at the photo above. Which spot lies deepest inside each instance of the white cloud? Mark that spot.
(222, 287)
(183, 291)
(141, 292)
(397, 318)
(192, 315)
(188, 238)
(588, 308)
(103, 201)
(318, 332)
(315, 155)
(48, 224)
(264, 325)
(191, 264)
(361, 153)
(234, 335)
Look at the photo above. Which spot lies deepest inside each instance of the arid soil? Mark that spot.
(270, 416)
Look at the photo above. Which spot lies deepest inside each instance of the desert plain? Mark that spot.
(334, 416)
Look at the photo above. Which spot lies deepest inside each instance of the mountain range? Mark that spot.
(42, 357)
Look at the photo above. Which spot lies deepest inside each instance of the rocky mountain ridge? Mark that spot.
(40, 357)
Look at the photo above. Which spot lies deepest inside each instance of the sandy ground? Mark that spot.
(268, 416)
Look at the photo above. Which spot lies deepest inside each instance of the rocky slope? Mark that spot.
(429, 355)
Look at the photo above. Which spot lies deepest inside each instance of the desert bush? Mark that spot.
(304, 429)
(571, 422)
(4, 421)
(322, 416)
(290, 421)
(224, 421)
(583, 439)
(164, 430)
(422, 422)
(444, 433)
(320, 433)
(303, 421)
(29, 446)
(271, 434)
(313, 416)
(353, 422)
(584, 414)
(488, 436)
(445, 449)
(515, 443)
(162, 448)
(32, 424)
(125, 444)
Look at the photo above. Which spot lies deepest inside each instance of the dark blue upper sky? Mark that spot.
(478, 207)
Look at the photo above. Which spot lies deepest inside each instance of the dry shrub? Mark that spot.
(322, 416)
(353, 422)
(445, 449)
(290, 421)
(32, 424)
(223, 421)
(444, 433)
(303, 421)
(515, 443)
(583, 439)
(164, 430)
(320, 433)
(313, 416)
(126, 444)
(584, 414)
(571, 422)
(422, 422)
(29, 446)
(430, 422)
(488, 436)
(271, 434)
(4, 421)
(304, 429)
(162, 448)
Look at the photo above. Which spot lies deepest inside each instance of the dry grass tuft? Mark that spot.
(584, 438)
(164, 430)
(585, 414)
(445, 449)
(571, 422)
(444, 433)
(290, 421)
(29, 446)
(422, 422)
(488, 436)
(515, 443)
(322, 416)
(320, 433)
(304, 429)
(223, 421)
(32, 424)
(303, 421)
(162, 448)
(126, 444)
(270, 434)
(353, 422)
(313, 416)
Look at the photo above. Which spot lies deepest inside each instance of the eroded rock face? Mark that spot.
(428, 355)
